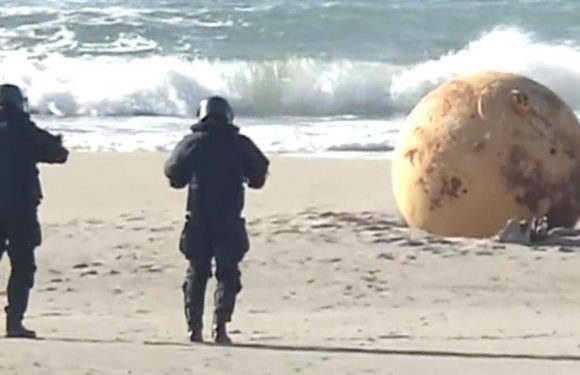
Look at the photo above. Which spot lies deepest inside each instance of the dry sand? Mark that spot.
(333, 284)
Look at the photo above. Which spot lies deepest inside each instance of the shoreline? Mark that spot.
(329, 155)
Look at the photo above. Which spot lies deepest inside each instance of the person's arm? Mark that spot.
(255, 164)
(180, 165)
(46, 147)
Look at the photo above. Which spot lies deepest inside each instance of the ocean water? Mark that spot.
(304, 76)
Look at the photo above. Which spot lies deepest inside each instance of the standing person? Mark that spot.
(215, 161)
(22, 146)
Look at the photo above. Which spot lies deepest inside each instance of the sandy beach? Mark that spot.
(334, 282)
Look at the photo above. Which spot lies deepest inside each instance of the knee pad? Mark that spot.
(231, 278)
(24, 273)
(30, 279)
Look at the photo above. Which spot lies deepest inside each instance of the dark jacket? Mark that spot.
(215, 160)
(22, 146)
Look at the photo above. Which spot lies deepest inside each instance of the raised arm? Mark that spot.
(180, 166)
(46, 147)
(255, 164)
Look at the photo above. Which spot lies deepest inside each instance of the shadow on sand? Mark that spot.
(336, 350)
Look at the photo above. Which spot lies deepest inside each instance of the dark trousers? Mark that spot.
(19, 235)
(194, 288)
(201, 246)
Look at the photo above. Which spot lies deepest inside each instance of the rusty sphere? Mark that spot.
(484, 148)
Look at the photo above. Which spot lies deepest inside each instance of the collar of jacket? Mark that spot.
(14, 116)
(210, 125)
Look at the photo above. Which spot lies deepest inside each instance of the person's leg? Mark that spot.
(229, 252)
(23, 237)
(194, 287)
(228, 286)
(194, 245)
(3, 243)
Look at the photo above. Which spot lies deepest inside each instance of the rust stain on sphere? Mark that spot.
(483, 148)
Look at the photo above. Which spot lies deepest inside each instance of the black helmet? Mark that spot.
(11, 97)
(215, 107)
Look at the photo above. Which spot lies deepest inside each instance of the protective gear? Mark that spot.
(220, 334)
(194, 300)
(22, 146)
(217, 108)
(12, 98)
(214, 162)
(19, 235)
(15, 328)
(195, 335)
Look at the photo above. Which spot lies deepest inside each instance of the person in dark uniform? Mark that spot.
(22, 146)
(215, 161)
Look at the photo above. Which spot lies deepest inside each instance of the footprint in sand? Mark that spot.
(386, 256)
(371, 278)
(95, 222)
(131, 219)
(565, 249)
(381, 289)
(257, 311)
(150, 267)
(89, 273)
(382, 238)
(122, 246)
(160, 229)
(484, 253)
(413, 243)
(325, 225)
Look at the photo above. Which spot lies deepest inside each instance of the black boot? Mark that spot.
(195, 336)
(15, 329)
(220, 334)
(195, 332)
